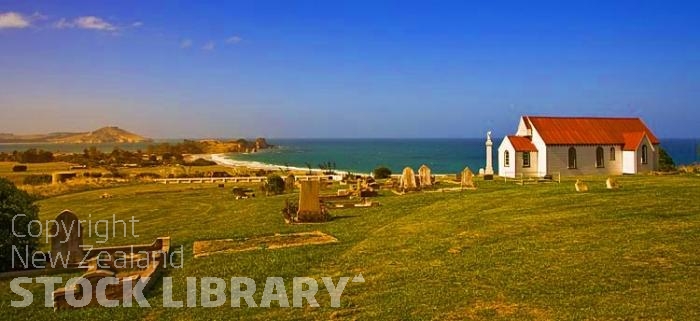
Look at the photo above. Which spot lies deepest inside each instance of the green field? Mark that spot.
(502, 252)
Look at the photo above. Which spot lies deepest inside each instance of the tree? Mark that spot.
(666, 163)
(274, 185)
(33, 155)
(381, 172)
(13, 203)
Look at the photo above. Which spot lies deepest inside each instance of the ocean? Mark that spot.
(441, 155)
(363, 155)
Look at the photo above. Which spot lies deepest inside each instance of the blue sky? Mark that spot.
(344, 68)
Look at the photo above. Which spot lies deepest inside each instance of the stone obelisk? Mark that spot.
(488, 171)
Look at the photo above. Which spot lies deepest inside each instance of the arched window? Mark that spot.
(506, 158)
(612, 153)
(645, 158)
(599, 157)
(572, 157)
(526, 159)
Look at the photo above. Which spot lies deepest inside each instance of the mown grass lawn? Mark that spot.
(502, 252)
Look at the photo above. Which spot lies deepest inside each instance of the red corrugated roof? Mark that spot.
(522, 144)
(591, 130)
(632, 140)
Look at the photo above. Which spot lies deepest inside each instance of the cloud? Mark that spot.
(92, 22)
(86, 22)
(185, 43)
(63, 23)
(13, 20)
(38, 16)
(137, 24)
(209, 46)
(234, 40)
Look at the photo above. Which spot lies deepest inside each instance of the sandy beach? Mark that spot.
(222, 160)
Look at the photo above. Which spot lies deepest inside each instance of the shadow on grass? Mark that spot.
(340, 217)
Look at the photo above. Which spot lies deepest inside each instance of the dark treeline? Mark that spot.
(156, 154)
(31, 155)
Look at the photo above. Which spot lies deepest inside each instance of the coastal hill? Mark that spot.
(110, 134)
(215, 146)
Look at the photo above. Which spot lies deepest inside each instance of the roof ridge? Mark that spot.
(582, 117)
(588, 129)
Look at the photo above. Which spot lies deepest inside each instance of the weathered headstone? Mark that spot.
(289, 182)
(408, 180)
(310, 209)
(612, 183)
(424, 176)
(581, 186)
(66, 239)
(467, 180)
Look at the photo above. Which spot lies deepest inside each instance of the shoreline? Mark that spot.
(223, 160)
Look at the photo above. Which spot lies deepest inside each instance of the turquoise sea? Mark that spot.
(441, 155)
(363, 155)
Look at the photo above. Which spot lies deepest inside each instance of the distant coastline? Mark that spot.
(363, 155)
(109, 134)
(352, 155)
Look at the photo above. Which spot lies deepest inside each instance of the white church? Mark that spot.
(546, 145)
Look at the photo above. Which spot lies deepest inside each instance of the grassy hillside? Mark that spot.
(109, 134)
(502, 252)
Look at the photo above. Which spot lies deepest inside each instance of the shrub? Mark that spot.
(666, 163)
(201, 162)
(274, 185)
(19, 168)
(33, 155)
(289, 211)
(381, 172)
(92, 174)
(12, 203)
(39, 179)
(114, 173)
(147, 176)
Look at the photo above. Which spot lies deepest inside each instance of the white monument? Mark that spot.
(489, 156)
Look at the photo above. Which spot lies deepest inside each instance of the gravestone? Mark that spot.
(289, 182)
(581, 186)
(310, 209)
(467, 180)
(66, 239)
(612, 183)
(424, 176)
(408, 180)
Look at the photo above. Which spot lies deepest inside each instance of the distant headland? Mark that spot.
(109, 134)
